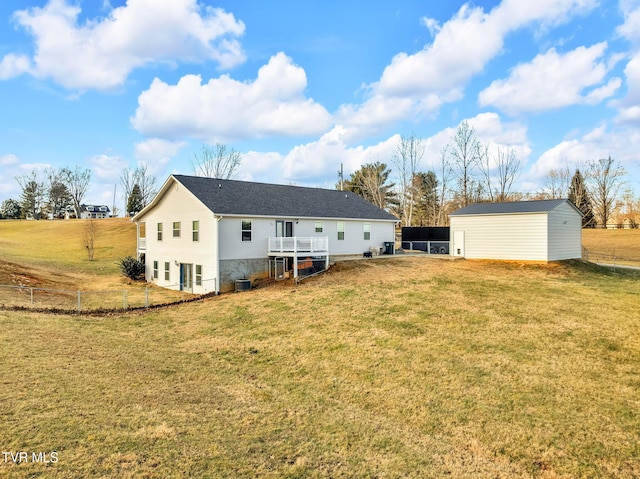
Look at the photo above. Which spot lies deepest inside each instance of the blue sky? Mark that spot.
(301, 87)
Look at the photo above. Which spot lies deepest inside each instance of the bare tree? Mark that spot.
(77, 182)
(443, 189)
(500, 171)
(143, 179)
(216, 162)
(464, 154)
(88, 238)
(407, 156)
(607, 178)
(556, 184)
(147, 183)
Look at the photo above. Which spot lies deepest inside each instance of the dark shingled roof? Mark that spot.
(233, 197)
(539, 206)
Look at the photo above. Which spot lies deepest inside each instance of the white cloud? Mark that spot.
(13, 65)
(100, 53)
(418, 84)
(156, 153)
(629, 107)
(315, 163)
(8, 160)
(108, 168)
(224, 109)
(621, 144)
(553, 80)
(630, 29)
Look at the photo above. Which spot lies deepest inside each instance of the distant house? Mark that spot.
(546, 230)
(202, 234)
(89, 212)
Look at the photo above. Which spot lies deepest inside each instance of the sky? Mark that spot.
(300, 88)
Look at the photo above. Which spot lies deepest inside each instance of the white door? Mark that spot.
(458, 243)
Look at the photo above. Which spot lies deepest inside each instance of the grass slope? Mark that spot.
(604, 245)
(405, 367)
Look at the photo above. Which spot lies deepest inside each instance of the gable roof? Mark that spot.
(232, 197)
(512, 207)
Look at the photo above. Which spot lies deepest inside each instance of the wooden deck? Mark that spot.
(298, 245)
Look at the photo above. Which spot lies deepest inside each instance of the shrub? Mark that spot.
(132, 268)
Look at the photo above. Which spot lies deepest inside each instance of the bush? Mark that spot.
(132, 268)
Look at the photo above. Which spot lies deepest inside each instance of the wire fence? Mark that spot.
(134, 297)
(612, 258)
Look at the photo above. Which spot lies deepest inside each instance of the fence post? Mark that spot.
(124, 299)
(146, 297)
(79, 294)
(31, 293)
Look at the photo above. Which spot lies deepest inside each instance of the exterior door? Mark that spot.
(284, 228)
(458, 243)
(186, 277)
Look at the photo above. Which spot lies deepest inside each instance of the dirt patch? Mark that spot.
(14, 274)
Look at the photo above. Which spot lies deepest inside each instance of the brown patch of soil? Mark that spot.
(14, 274)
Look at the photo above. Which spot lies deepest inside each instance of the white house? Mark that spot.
(89, 212)
(202, 234)
(546, 230)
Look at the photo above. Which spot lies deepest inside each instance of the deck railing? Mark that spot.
(299, 244)
(142, 244)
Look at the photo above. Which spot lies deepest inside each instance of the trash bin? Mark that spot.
(388, 247)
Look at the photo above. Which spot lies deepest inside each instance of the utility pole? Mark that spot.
(113, 206)
(341, 176)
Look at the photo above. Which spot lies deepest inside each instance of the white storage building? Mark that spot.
(545, 230)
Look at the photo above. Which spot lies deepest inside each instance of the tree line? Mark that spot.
(56, 192)
(59, 192)
(469, 171)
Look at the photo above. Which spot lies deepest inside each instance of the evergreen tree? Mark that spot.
(10, 209)
(425, 187)
(59, 199)
(135, 203)
(371, 182)
(579, 196)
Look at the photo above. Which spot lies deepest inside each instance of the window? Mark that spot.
(367, 231)
(155, 270)
(159, 231)
(195, 230)
(166, 271)
(319, 226)
(176, 229)
(340, 230)
(198, 275)
(246, 230)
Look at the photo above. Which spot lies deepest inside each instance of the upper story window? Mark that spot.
(246, 230)
(340, 227)
(195, 230)
(367, 231)
(159, 231)
(319, 226)
(176, 229)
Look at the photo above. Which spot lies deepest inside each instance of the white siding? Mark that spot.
(565, 233)
(178, 204)
(505, 236)
(232, 246)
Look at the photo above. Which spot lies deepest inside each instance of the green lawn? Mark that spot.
(404, 367)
